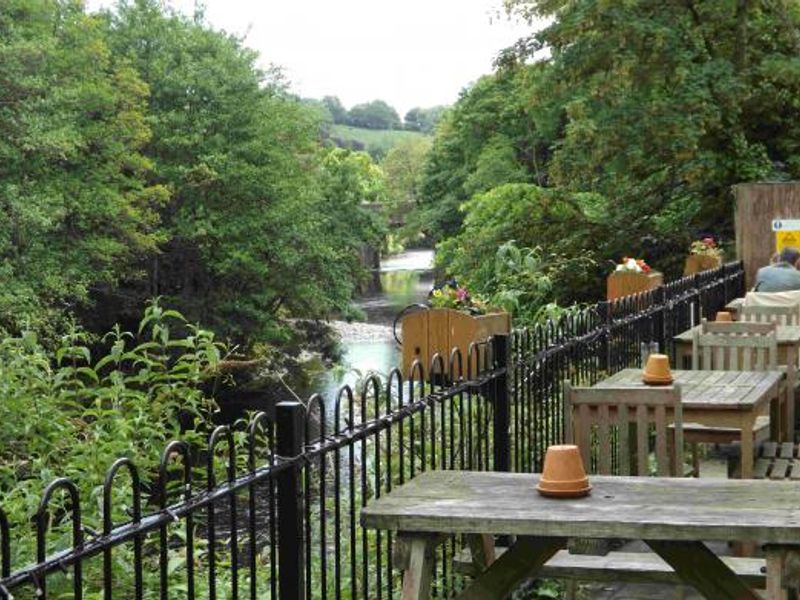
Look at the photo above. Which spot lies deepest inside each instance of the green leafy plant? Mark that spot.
(72, 414)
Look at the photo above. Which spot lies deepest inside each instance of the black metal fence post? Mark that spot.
(659, 323)
(501, 350)
(604, 312)
(698, 302)
(290, 425)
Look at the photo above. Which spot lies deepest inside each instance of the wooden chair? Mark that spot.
(782, 315)
(741, 345)
(606, 415)
(613, 428)
(737, 346)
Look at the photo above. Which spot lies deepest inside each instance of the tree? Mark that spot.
(374, 115)
(495, 111)
(665, 106)
(656, 109)
(403, 167)
(76, 210)
(337, 109)
(423, 119)
(531, 217)
(248, 225)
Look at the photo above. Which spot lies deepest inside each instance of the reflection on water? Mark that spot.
(405, 278)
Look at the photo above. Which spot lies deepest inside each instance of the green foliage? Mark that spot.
(374, 115)
(350, 182)
(486, 139)
(144, 153)
(514, 247)
(655, 108)
(376, 142)
(73, 414)
(245, 169)
(423, 119)
(336, 108)
(403, 167)
(77, 208)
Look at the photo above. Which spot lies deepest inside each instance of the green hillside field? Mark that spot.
(375, 141)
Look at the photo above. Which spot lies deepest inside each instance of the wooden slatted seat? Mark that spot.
(746, 346)
(782, 315)
(778, 461)
(606, 415)
(630, 567)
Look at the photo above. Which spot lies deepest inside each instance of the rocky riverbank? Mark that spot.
(361, 332)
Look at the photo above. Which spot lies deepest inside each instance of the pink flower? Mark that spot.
(462, 294)
(709, 241)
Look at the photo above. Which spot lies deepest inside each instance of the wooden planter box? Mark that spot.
(427, 332)
(697, 263)
(625, 283)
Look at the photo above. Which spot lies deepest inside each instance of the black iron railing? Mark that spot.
(279, 518)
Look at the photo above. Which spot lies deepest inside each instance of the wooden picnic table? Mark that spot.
(721, 399)
(675, 517)
(788, 351)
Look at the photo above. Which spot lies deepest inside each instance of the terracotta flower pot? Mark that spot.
(563, 475)
(657, 371)
(724, 316)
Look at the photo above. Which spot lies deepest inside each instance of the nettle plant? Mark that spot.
(70, 414)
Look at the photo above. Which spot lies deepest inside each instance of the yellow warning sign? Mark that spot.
(786, 238)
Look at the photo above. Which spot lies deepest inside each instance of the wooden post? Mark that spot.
(757, 204)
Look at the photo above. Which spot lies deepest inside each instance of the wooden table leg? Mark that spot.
(777, 419)
(519, 562)
(775, 573)
(697, 566)
(481, 549)
(413, 553)
(747, 448)
(791, 382)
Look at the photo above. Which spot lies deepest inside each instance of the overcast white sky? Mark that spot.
(409, 53)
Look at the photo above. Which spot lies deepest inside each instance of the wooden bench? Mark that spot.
(778, 461)
(629, 567)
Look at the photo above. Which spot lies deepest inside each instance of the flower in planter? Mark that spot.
(451, 295)
(633, 265)
(706, 246)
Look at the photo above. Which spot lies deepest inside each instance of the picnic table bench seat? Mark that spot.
(628, 567)
(778, 461)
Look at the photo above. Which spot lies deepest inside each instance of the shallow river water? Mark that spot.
(369, 346)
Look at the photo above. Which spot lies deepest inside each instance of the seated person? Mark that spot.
(782, 275)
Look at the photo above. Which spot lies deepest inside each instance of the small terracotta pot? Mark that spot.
(657, 371)
(563, 475)
(724, 316)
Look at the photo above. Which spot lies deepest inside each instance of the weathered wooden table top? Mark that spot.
(702, 389)
(627, 507)
(787, 335)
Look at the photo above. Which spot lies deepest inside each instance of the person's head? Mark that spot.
(789, 255)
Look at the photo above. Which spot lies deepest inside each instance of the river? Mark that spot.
(369, 347)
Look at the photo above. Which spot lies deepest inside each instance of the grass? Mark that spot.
(375, 141)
